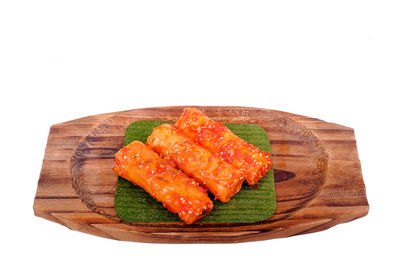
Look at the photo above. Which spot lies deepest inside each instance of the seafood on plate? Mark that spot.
(180, 194)
(219, 177)
(218, 139)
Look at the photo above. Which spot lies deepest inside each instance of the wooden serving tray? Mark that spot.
(318, 177)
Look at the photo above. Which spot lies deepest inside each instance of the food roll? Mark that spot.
(219, 177)
(222, 142)
(180, 194)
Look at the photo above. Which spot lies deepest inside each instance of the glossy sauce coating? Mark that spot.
(222, 179)
(222, 142)
(180, 194)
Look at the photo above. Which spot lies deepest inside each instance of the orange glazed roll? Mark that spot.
(221, 141)
(221, 178)
(180, 194)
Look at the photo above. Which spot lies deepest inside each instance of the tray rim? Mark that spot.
(136, 234)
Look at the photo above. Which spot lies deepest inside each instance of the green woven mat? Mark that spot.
(133, 204)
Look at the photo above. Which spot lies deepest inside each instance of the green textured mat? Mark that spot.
(133, 204)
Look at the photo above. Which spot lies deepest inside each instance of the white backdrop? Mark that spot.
(335, 60)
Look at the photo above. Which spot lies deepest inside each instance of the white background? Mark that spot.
(335, 60)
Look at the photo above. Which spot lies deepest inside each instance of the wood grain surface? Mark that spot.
(318, 177)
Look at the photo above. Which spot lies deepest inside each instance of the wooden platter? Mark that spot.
(318, 177)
